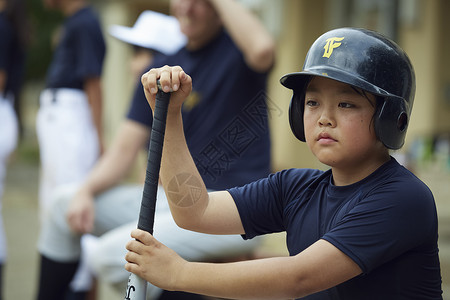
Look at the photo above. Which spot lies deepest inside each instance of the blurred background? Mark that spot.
(420, 27)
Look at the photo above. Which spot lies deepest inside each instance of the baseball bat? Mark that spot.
(137, 287)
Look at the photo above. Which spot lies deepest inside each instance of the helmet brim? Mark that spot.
(297, 80)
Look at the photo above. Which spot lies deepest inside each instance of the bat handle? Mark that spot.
(137, 287)
(147, 213)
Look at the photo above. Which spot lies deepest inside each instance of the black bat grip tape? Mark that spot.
(147, 212)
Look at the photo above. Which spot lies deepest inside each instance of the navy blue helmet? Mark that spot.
(366, 60)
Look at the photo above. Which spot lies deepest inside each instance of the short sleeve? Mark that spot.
(386, 223)
(91, 51)
(139, 110)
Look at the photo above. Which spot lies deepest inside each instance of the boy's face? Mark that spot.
(339, 124)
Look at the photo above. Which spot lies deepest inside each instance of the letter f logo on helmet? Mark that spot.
(331, 45)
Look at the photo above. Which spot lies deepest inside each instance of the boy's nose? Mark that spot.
(326, 119)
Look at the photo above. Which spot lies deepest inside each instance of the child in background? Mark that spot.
(14, 35)
(69, 119)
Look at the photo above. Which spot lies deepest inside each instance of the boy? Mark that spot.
(69, 119)
(365, 229)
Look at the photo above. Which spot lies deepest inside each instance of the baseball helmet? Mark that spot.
(366, 60)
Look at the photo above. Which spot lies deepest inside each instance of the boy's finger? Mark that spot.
(165, 78)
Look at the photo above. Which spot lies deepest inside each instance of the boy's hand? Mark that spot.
(171, 79)
(153, 261)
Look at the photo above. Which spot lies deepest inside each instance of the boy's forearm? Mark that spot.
(182, 182)
(255, 279)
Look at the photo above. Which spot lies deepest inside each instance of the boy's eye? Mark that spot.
(311, 103)
(345, 105)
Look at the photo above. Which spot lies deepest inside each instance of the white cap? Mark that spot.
(152, 30)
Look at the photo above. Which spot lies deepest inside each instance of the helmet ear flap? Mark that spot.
(391, 122)
(296, 109)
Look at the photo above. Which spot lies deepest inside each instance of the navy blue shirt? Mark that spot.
(386, 223)
(12, 56)
(225, 118)
(80, 52)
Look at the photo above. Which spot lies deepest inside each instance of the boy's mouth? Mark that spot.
(325, 137)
